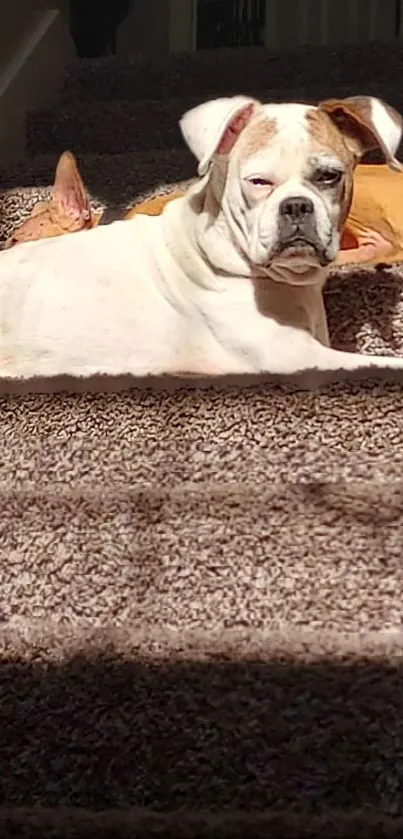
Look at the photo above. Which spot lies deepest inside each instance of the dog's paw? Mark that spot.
(372, 245)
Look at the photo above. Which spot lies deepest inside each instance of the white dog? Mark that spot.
(228, 280)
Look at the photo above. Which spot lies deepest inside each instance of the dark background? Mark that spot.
(220, 23)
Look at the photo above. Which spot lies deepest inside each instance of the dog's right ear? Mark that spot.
(69, 196)
(213, 127)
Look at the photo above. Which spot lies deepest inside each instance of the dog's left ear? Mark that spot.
(213, 127)
(367, 123)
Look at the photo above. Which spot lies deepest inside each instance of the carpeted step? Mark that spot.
(122, 126)
(202, 554)
(108, 718)
(162, 439)
(224, 71)
(204, 507)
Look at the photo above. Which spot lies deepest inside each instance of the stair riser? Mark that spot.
(220, 72)
(112, 128)
(110, 176)
(73, 823)
(128, 727)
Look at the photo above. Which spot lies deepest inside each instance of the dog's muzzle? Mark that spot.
(297, 231)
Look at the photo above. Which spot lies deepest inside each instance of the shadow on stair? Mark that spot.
(254, 735)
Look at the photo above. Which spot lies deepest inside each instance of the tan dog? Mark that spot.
(373, 230)
(228, 279)
(69, 209)
(374, 227)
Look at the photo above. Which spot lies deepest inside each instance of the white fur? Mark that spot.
(203, 126)
(387, 128)
(290, 117)
(179, 292)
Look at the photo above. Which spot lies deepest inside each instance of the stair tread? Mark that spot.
(260, 434)
(232, 823)
(321, 556)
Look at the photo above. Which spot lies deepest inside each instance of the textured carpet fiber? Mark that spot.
(201, 588)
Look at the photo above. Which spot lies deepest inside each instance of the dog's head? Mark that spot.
(279, 177)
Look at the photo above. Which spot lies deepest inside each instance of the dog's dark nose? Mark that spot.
(296, 208)
(296, 224)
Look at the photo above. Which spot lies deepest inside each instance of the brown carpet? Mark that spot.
(201, 588)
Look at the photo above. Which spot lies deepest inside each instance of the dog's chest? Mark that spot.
(247, 316)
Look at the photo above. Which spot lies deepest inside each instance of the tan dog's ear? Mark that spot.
(213, 127)
(69, 197)
(67, 211)
(367, 123)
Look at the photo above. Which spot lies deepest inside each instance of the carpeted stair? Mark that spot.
(201, 630)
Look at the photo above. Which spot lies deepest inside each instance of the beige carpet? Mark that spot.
(201, 588)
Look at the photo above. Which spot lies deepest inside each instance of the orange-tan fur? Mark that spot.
(377, 205)
(373, 230)
(69, 209)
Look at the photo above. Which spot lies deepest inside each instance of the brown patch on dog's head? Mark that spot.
(351, 127)
(67, 212)
(367, 123)
(325, 134)
(257, 137)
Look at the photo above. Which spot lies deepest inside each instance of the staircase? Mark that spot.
(201, 588)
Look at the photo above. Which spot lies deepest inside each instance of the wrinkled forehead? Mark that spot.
(290, 138)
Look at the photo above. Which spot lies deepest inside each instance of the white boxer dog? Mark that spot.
(228, 279)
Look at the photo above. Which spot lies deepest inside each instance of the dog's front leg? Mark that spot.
(320, 331)
(297, 351)
(371, 247)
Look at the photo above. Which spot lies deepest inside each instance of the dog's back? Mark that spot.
(100, 295)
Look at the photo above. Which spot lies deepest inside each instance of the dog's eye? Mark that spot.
(259, 182)
(328, 177)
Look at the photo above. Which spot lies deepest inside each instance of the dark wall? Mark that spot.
(230, 23)
(94, 23)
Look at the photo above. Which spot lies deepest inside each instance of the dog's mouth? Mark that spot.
(301, 248)
(298, 245)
